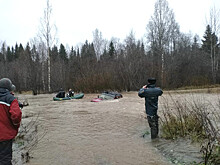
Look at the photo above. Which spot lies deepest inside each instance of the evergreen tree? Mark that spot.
(3, 52)
(111, 50)
(210, 41)
(210, 45)
(142, 50)
(62, 53)
(9, 55)
(20, 51)
(35, 54)
(77, 53)
(88, 51)
(72, 54)
(104, 55)
(28, 50)
(54, 53)
(16, 51)
(1, 57)
(195, 45)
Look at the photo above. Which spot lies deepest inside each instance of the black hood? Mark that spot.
(6, 96)
(4, 92)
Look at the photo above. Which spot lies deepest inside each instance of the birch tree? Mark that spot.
(47, 35)
(98, 42)
(214, 24)
(162, 30)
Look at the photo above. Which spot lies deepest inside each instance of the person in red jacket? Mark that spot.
(10, 119)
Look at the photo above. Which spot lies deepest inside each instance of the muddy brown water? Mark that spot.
(81, 132)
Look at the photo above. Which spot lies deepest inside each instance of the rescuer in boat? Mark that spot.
(61, 93)
(71, 93)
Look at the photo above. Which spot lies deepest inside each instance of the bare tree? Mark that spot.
(48, 33)
(98, 42)
(117, 45)
(214, 22)
(161, 32)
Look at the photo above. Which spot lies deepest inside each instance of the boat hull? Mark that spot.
(76, 96)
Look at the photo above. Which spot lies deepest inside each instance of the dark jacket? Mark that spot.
(61, 94)
(10, 115)
(151, 94)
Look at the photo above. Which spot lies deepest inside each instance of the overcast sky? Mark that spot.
(77, 19)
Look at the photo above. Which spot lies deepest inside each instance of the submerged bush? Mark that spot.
(196, 120)
(174, 127)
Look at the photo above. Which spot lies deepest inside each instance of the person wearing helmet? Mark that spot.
(71, 93)
(151, 94)
(10, 119)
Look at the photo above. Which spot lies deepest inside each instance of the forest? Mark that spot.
(174, 58)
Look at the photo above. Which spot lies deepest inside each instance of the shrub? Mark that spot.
(194, 119)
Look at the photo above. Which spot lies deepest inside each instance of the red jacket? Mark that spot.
(10, 115)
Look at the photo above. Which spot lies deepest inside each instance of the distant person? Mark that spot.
(151, 93)
(10, 119)
(71, 93)
(61, 93)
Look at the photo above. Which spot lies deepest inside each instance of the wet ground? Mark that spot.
(80, 132)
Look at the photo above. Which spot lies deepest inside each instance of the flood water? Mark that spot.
(81, 132)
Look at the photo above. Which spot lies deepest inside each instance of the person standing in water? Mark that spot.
(151, 93)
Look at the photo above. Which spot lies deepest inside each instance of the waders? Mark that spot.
(153, 123)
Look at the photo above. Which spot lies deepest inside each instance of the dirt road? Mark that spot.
(80, 132)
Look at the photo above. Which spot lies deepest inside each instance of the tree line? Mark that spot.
(175, 59)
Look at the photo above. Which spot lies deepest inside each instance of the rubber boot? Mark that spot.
(153, 123)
